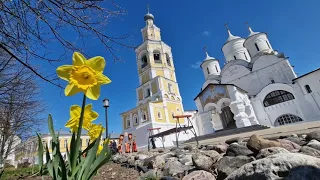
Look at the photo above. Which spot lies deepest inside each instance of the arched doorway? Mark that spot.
(227, 118)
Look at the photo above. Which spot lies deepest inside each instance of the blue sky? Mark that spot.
(187, 26)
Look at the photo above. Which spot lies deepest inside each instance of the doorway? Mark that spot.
(227, 118)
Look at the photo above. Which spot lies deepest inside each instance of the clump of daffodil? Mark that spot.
(95, 130)
(84, 76)
(88, 116)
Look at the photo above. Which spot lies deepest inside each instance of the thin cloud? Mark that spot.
(196, 65)
(206, 33)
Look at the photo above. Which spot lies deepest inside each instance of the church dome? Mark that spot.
(231, 37)
(252, 32)
(148, 16)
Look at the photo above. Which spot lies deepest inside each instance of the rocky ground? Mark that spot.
(292, 158)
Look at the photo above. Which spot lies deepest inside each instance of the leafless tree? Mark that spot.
(29, 27)
(20, 106)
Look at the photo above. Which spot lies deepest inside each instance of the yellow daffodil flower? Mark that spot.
(84, 75)
(88, 117)
(100, 147)
(95, 130)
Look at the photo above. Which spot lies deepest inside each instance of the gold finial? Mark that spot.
(148, 8)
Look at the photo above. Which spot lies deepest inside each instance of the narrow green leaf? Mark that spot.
(40, 153)
(51, 128)
(102, 158)
(48, 158)
(72, 149)
(88, 148)
(51, 169)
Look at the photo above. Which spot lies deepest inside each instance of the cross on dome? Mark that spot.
(148, 15)
(250, 30)
(207, 55)
(231, 36)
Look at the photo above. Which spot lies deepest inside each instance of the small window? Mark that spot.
(168, 60)
(257, 47)
(287, 119)
(245, 56)
(147, 92)
(65, 143)
(216, 68)
(178, 110)
(144, 116)
(268, 45)
(135, 119)
(128, 122)
(144, 61)
(272, 81)
(208, 70)
(170, 88)
(308, 89)
(156, 56)
(159, 115)
(235, 57)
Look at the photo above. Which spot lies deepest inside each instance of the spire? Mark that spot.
(231, 36)
(148, 15)
(207, 55)
(250, 30)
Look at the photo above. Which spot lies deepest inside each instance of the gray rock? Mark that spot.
(160, 150)
(309, 151)
(273, 167)
(188, 148)
(168, 155)
(214, 155)
(313, 135)
(303, 136)
(173, 168)
(141, 156)
(232, 140)
(297, 140)
(199, 175)
(179, 153)
(208, 147)
(171, 159)
(256, 143)
(202, 161)
(288, 145)
(304, 173)
(157, 162)
(271, 151)
(152, 174)
(235, 149)
(221, 148)
(228, 164)
(173, 148)
(314, 144)
(186, 160)
(167, 178)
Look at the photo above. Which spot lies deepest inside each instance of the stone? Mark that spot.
(186, 160)
(228, 164)
(263, 153)
(199, 175)
(141, 157)
(309, 151)
(152, 174)
(221, 148)
(235, 149)
(303, 136)
(160, 150)
(208, 147)
(188, 148)
(273, 167)
(314, 144)
(167, 178)
(173, 148)
(256, 143)
(297, 140)
(304, 173)
(173, 168)
(179, 153)
(202, 161)
(168, 154)
(157, 162)
(214, 155)
(288, 145)
(232, 140)
(313, 135)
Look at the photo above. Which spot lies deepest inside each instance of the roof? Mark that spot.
(217, 84)
(306, 74)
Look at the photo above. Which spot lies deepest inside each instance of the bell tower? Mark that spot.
(158, 95)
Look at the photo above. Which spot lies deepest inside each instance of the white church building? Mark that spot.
(257, 85)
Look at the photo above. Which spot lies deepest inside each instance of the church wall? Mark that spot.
(140, 94)
(154, 87)
(173, 109)
(145, 78)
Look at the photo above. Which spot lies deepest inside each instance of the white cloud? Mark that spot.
(196, 65)
(206, 33)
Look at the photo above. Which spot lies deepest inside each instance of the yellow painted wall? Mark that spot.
(160, 73)
(140, 94)
(172, 107)
(161, 111)
(154, 87)
(145, 77)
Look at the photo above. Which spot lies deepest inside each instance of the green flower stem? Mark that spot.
(75, 155)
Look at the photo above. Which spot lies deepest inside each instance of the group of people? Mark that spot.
(129, 147)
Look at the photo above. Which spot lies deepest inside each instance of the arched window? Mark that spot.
(168, 59)
(287, 119)
(128, 122)
(135, 119)
(308, 89)
(144, 116)
(156, 56)
(159, 115)
(208, 70)
(144, 61)
(276, 97)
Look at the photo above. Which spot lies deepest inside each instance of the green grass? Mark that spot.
(19, 172)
